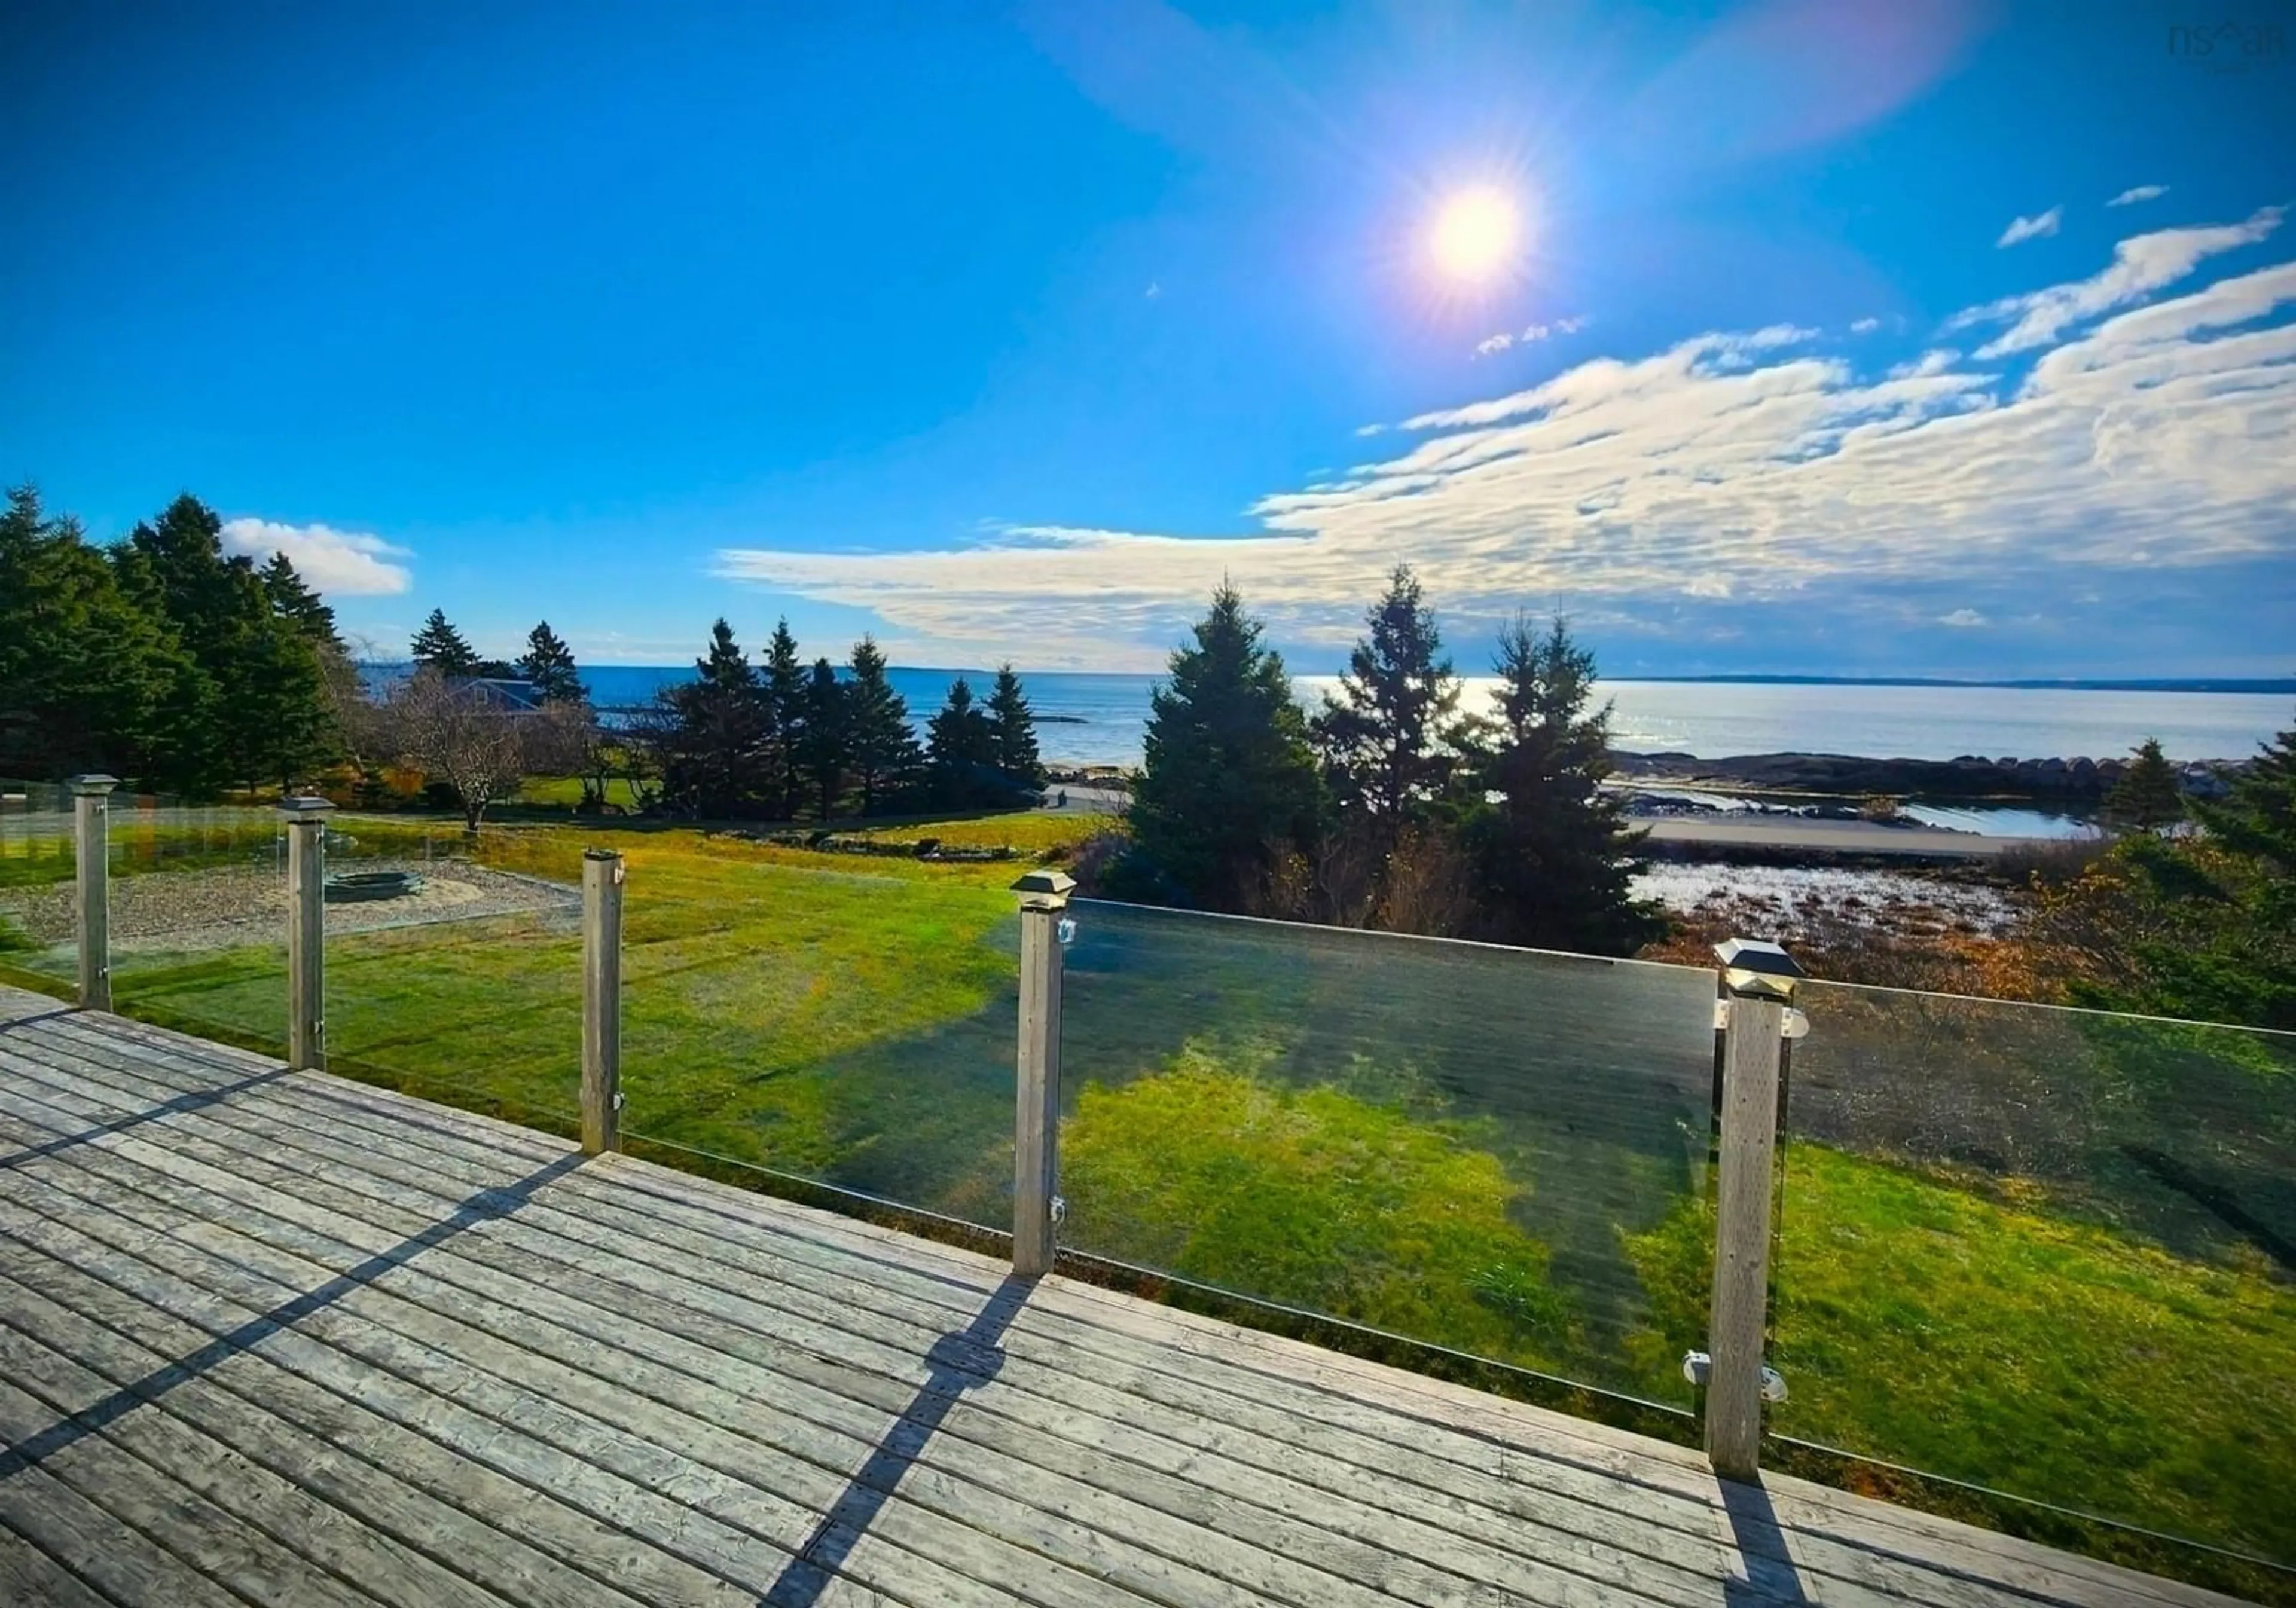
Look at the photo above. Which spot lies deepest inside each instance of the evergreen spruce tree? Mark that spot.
(881, 748)
(257, 711)
(1228, 787)
(782, 678)
(548, 665)
(439, 646)
(714, 765)
(292, 600)
(2203, 926)
(961, 749)
(2257, 816)
(2147, 796)
(1555, 853)
(1012, 731)
(824, 745)
(291, 734)
(87, 679)
(1389, 740)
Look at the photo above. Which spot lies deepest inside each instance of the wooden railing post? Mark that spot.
(306, 932)
(1037, 1115)
(602, 1001)
(1758, 981)
(92, 867)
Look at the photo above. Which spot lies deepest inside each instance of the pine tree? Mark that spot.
(2200, 926)
(292, 600)
(87, 678)
(2147, 797)
(714, 767)
(1228, 787)
(1389, 739)
(548, 664)
(1555, 853)
(2257, 816)
(1012, 731)
(257, 711)
(439, 646)
(960, 748)
(880, 746)
(824, 745)
(290, 735)
(782, 679)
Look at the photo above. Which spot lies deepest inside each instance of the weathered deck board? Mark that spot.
(274, 1336)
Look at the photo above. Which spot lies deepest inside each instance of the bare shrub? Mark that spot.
(2051, 861)
(465, 735)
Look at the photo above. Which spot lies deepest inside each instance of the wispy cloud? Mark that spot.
(1644, 491)
(2141, 265)
(2138, 192)
(1863, 326)
(2031, 228)
(338, 562)
(1929, 362)
(1492, 345)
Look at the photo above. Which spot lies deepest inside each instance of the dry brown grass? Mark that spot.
(1883, 943)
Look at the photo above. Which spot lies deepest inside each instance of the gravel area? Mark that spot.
(228, 906)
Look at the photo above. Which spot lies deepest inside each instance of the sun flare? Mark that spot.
(1476, 233)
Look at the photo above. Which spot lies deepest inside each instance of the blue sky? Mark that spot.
(1004, 331)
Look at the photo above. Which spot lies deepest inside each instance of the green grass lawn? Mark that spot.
(564, 792)
(2012, 1347)
(1498, 1153)
(1313, 1197)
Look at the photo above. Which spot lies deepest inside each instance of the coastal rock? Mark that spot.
(1968, 776)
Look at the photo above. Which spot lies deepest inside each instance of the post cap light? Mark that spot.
(95, 784)
(1754, 968)
(1758, 955)
(304, 807)
(1045, 890)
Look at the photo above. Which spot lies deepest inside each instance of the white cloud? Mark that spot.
(1964, 619)
(1155, 289)
(2138, 192)
(2031, 228)
(2140, 265)
(1491, 345)
(1727, 465)
(337, 562)
(1863, 326)
(1928, 363)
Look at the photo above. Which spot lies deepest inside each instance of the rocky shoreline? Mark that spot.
(1970, 776)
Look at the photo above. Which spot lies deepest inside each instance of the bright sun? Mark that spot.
(1476, 233)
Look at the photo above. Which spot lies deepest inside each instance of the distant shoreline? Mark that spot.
(1973, 777)
(2267, 687)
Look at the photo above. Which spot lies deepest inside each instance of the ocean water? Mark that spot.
(1099, 720)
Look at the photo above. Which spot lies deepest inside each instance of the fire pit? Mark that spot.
(358, 886)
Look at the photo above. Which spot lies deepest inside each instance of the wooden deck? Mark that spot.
(277, 1338)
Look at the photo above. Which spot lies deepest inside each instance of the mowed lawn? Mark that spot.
(2011, 1347)
(1495, 1154)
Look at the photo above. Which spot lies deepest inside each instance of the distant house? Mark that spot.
(517, 697)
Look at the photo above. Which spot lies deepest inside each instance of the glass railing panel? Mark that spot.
(2049, 1253)
(454, 965)
(1498, 1151)
(198, 918)
(849, 1029)
(37, 863)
